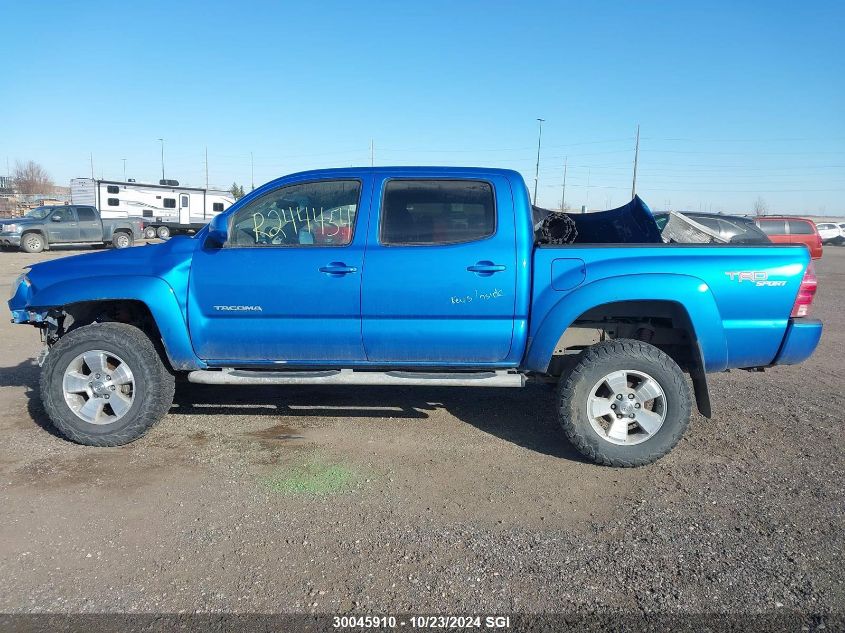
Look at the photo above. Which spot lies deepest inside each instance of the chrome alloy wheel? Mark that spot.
(626, 407)
(98, 387)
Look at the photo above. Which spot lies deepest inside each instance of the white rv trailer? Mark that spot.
(166, 209)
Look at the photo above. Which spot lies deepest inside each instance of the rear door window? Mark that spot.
(772, 227)
(800, 227)
(436, 212)
(86, 214)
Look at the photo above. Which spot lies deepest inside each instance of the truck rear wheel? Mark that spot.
(105, 384)
(32, 243)
(624, 403)
(121, 239)
(163, 232)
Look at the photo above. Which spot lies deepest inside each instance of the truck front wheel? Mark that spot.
(624, 403)
(105, 384)
(32, 243)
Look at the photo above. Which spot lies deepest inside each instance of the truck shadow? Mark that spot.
(525, 417)
(25, 374)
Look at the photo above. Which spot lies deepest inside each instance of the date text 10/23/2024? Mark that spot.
(450, 622)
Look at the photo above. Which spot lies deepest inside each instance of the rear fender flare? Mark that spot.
(691, 293)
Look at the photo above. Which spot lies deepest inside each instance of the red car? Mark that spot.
(787, 229)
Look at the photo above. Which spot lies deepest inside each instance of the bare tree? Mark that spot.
(32, 178)
(760, 206)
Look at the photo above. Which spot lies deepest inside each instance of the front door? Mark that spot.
(440, 272)
(286, 287)
(62, 226)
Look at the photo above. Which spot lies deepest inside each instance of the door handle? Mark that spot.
(338, 268)
(486, 268)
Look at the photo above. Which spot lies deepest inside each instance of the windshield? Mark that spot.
(39, 213)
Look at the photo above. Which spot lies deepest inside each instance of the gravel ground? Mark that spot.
(427, 500)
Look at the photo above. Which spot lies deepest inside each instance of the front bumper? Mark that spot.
(799, 343)
(10, 239)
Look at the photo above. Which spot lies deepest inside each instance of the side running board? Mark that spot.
(230, 376)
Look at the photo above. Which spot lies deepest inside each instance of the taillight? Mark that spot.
(806, 293)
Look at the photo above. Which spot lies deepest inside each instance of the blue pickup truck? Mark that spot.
(413, 276)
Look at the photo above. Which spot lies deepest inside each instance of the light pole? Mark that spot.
(537, 170)
(124, 169)
(162, 158)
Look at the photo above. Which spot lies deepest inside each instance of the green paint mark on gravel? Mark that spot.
(314, 478)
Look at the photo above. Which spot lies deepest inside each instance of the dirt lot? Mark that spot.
(426, 500)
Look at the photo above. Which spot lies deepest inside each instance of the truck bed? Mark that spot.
(738, 297)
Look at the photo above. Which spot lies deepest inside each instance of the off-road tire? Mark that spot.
(122, 239)
(33, 243)
(154, 383)
(598, 361)
(163, 232)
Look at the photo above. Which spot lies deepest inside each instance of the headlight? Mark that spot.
(21, 279)
(11, 228)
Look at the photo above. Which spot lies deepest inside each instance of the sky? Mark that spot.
(735, 100)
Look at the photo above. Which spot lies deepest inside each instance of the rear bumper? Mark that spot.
(802, 338)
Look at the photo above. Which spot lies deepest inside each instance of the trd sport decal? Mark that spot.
(756, 277)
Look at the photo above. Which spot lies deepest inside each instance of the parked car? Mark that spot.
(734, 229)
(792, 230)
(44, 227)
(413, 276)
(830, 233)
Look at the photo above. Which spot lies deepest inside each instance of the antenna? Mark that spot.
(563, 193)
(537, 170)
(636, 157)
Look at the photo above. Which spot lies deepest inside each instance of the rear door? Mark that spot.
(775, 229)
(803, 232)
(62, 226)
(440, 272)
(90, 227)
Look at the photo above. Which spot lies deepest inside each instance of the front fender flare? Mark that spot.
(153, 292)
(691, 293)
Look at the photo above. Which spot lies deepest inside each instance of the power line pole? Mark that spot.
(252, 170)
(563, 193)
(636, 157)
(206, 167)
(124, 169)
(92, 165)
(537, 170)
(162, 157)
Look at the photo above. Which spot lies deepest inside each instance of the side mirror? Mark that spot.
(218, 232)
(56, 218)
